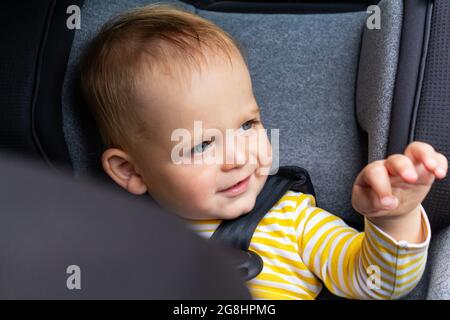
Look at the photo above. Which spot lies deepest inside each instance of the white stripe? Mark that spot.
(406, 259)
(387, 257)
(362, 284)
(281, 240)
(301, 273)
(317, 257)
(381, 241)
(282, 229)
(316, 219)
(325, 266)
(287, 215)
(295, 279)
(284, 203)
(415, 274)
(373, 260)
(279, 285)
(354, 280)
(393, 260)
(275, 251)
(303, 205)
(340, 272)
(314, 239)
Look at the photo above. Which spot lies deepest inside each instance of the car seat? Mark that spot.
(341, 94)
(72, 239)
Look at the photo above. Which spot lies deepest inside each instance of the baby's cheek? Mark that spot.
(198, 186)
(264, 152)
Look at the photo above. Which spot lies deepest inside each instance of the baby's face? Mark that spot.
(202, 173)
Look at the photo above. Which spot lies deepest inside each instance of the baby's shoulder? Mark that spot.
(295, 199)
(297, 209)
(290, 205)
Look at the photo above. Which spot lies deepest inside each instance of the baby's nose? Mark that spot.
(238, 160)
(236, 153)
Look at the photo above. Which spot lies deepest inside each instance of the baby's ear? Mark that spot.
(120, 167)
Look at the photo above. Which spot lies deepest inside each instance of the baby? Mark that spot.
(157, 74)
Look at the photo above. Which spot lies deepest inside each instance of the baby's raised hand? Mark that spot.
(397, 185)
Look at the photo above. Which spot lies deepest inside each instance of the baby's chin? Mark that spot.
(235, 210)
(224, 212)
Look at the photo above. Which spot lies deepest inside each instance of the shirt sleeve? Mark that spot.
(358, 265)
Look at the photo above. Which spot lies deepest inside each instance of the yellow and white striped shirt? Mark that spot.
(302, 244)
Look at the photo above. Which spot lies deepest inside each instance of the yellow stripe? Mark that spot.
(271, 256)
(394, 266)
(289, 272)
(283, 209)
(353, 253)
(320, 224)
(379, 295)
(410, 263)
(411, 272)
(300, 218)
(319, 243)
(302, 197)
(262, 294)
(326, 249)
(277, 279)
(372, 261)
(291, 198)
(279, 234)
(273, 220)
(275, 244)
(335, 260)
(404, 290)
(385, 249)
(281, 291)
(385, 282)
(374, 248)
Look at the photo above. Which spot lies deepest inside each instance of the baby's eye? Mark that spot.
(201, 147)
(248, 125)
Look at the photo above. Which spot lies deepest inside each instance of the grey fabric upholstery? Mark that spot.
(433, 113)
(439, 279)
(376, 77)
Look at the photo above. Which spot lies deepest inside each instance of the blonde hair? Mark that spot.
(151, 36)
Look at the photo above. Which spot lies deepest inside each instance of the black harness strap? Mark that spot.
(237, 233)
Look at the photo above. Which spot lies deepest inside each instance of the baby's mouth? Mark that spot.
(237, 188)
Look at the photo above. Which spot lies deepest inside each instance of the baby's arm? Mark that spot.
(358, 265)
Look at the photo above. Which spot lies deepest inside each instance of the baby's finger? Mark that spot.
(422, 152)
(376, 176)
(441, 170)
(364, 200)
(401, 166)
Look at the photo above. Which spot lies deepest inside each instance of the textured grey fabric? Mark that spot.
(433, 114)
(304, 71)
(376, 76)
(439, 283)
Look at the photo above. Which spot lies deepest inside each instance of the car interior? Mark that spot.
(343, 94)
